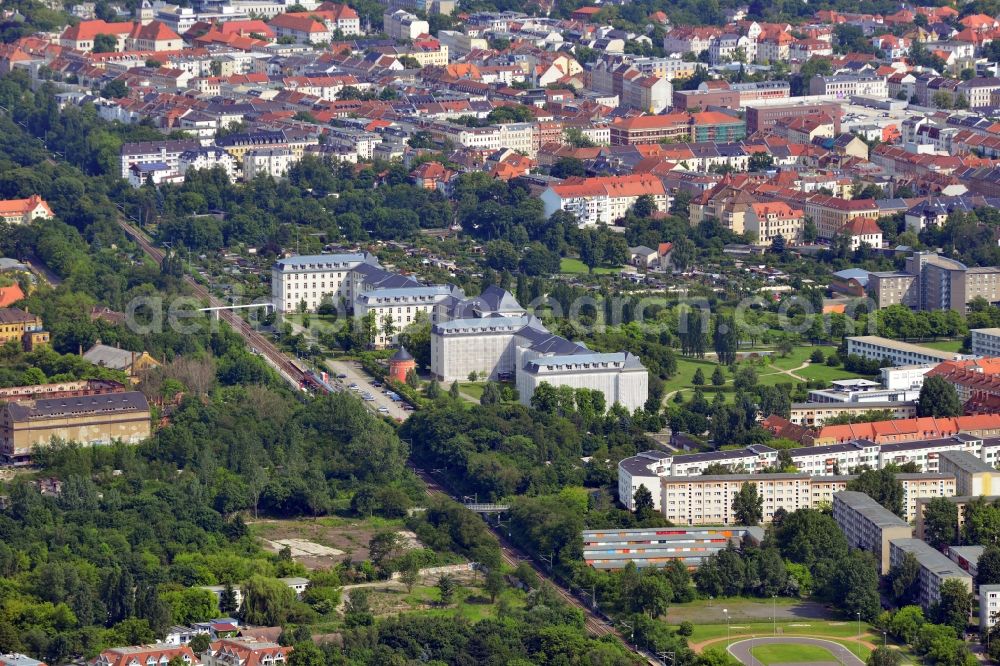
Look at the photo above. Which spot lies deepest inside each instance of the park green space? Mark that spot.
(790, 653)
(575, 266)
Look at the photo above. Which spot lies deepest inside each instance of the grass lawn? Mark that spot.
(576, 266)
(943, 345)
(824, 372)
(790, 653)
(472, 389)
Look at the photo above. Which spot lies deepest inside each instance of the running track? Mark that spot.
(741, 649)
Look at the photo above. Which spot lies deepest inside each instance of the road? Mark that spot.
(274, 356)
(741, 649)
(41, 270)
(356, 375)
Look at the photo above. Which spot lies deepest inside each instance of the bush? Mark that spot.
(685, 628)
(817, 356)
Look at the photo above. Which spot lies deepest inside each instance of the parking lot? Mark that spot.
(354, 374)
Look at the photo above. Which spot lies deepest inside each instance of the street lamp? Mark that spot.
(774, 613)
(631, 632)
(859, 634)
(725, 611)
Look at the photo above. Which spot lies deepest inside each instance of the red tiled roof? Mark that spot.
(88, 30)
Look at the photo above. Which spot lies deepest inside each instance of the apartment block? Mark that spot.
(935, 568)
(603, 200)
(813, 414)
(973, 476)
(869, 526)
(986, 341)
(989, 606)
(708, 499)
(613, 549)
(960, 501)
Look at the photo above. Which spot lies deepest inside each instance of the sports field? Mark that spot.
(785, 653)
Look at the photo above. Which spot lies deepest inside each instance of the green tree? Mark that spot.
(494, 584)
(699, 378)
(383, 547)
(938, 398)
(748, 505)
(306, 653)
(988, 568)
(904, 581)
(266, 601)
(884, 656)
(718, 376)
(643, 502)
(492, 394)
(882, 486)
(955, 606)
(446, 587)
(940, 522)
(105, 43)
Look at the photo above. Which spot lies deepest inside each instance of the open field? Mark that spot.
(576, 266)
(707, 613)
(823, 372)
(789, 653)
(472, 389)
(324, 542)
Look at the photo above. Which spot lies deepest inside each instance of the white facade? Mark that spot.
(989, 605)
(149, 152)
(619, 376)
(307, 279)
(641, 470)
(905, 376)
(877, 348)
(273, 162)
(208, 158)
(485, 346)
(395, 309)
(401, 24)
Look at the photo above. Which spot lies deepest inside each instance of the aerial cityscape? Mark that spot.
(500, 332)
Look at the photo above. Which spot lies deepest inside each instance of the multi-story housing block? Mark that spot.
(876, 348)
(603, 200)
(868, 525)
(935, 568)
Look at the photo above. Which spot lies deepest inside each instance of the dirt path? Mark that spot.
(790, 373)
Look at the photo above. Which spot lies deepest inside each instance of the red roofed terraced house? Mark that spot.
(245, 652)
(23, 211)
(300, 27)
(604, 199)
(155, 36)
(81, 36)
(144, 655)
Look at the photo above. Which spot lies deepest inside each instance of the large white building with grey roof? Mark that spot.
(492, 336)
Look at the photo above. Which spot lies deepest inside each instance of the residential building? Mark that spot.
(844, 86)
(21, 326)
(272, 162)
(207, 158)
(960, 502)
(93, 419)
(23, 211)
(245, 652)
(989, 606)
(145, 655)
(72, 389)
(602, 200)
(863, 231)
(977, 91)
(613, 549)
(876, 348)
(770, 220)
(167, 152)
(935, 568)
(966, 557)
(972, 475)
(401, 24)
(985, 341)
(650, 94)
(815, 414)
(644, 469)
(869, 526)
(703, 126)
(301, 27)
(762, 115)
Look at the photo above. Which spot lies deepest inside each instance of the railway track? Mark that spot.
(274, 356)
(512, 556)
